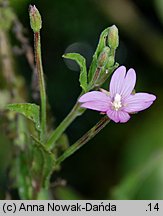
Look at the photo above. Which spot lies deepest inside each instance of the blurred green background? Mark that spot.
(124, 161)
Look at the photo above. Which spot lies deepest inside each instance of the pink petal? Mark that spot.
(117, 81)
(138, 102)
(129, 83)
(96, 105)
(113, 115)
(118, 116)
(94, 96)
(123, 116)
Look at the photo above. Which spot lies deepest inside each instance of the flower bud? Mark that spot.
(111, 61)
(35, 18)
(113, 38)
(103, 57)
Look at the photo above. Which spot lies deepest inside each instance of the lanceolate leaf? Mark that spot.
(30, 111)
(23, 176)
(83, 70)
(45, 162)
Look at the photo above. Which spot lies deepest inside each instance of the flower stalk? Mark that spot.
(41, 83)
(84, 139)
(36, 25)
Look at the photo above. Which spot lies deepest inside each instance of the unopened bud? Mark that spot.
(103, 57)
(113, 38)
(35, 18)
(111, 61)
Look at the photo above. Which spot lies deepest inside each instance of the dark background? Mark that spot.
(124, 161)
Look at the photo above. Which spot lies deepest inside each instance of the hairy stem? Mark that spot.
(84, 139)
(41, 84)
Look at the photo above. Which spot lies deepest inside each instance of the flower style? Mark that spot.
(119, 102)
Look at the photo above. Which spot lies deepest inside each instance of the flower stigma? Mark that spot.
(117, 102)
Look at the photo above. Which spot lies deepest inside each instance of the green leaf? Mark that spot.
(82, 64)
(44, 162)
(21, 172)
(23, 176)
(30, 111)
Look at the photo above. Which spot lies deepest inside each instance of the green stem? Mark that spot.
(76, 111)
(84, 139)
(39, 67)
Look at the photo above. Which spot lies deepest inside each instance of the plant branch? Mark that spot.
(84, 139)
(76, 111)
(41, 83)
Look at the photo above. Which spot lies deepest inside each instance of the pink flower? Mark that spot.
(119, 102)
